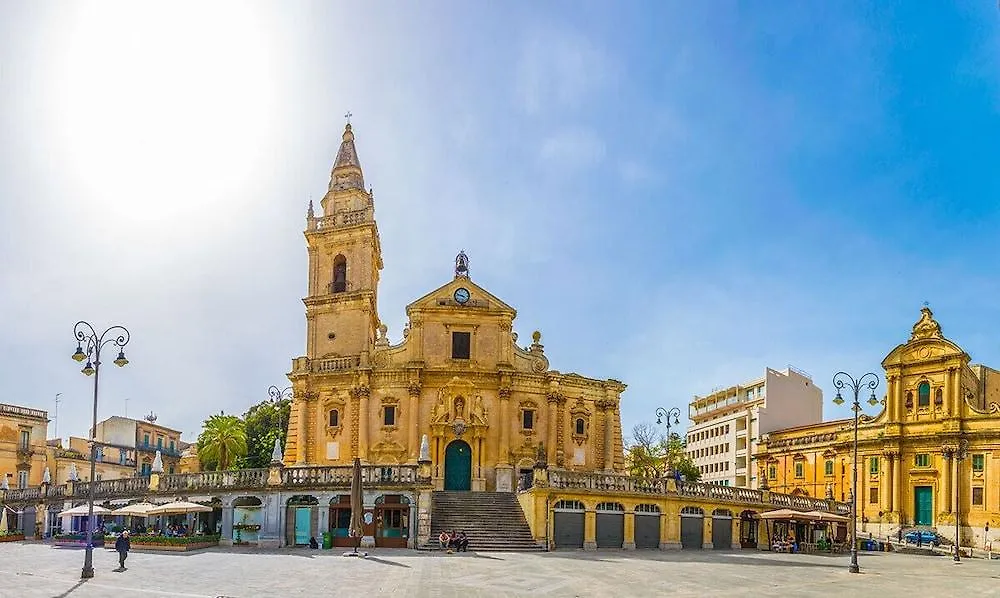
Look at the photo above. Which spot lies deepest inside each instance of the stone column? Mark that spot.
(504, 470)
(271, 522)
(363, 393)
(552, 419)
(414, 421)
(227, 523)
(629, 543)
(590, 530)
(300, 432)
(890, 482)
(609, 434)
(946, 483)
(890, 404)
(670, 532)
(956, 392)
(897, 483)
(706, 533)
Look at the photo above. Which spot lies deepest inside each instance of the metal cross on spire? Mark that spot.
(348, 116)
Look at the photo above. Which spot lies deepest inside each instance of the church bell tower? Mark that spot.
(345, 258)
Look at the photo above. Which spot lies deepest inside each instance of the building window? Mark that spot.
(977, 496)
(145, 440)
(339, 274)
(99, 477)
(389, 415)
(121, 457)
(99, 453)
(25, 439)
(334, 418)
(873, 466)
(923, 394)
(873, 495)
(922, 460)
(828, 467)
(159, 443)
(171, 470)
(460, 344)
(22, 479)
(171, 446)
(800, 470)
(580, 425)
(146, 469)
(978, 462)
(528, 419)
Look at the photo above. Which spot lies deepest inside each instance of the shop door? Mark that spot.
(722, 533)
(393, 526)
(303, 517)
(567, 529)
(647, 530)
(692, 532)
(340, 526)
(923, 506)
(458, 466)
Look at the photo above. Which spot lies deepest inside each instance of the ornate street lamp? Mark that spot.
(959, 452)
(277, 394)
(844, 380)
(88, 346)
(665, 414)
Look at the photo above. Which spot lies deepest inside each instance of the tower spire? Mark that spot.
(347, 168)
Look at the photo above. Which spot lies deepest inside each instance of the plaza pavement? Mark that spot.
(35, 570)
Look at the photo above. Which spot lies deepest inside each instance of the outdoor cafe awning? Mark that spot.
(81, 511)
(137, 510)
(179, 508)
(821, 516)
(790, 515)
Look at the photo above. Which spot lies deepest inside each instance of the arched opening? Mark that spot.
(610, 525)
(392, 521)
(924, 394)
(567, 524)
(334, 417)
(647, 526)
(247, 520)
(458, 466)
(301, 518)
(339, 274)
(749, 521)
(692, 528)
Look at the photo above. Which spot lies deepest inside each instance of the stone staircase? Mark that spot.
(493, 521)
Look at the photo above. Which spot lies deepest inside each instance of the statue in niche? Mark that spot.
(459, 407)
(438, 409)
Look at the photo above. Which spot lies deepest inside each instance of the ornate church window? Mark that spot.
(334, 418)
(460, 345)
(828, 467)
(339, 274)
(924, 394)
(528, 419)
(581, 426)
(389, 415)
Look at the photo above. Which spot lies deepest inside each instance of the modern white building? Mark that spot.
(728, 423)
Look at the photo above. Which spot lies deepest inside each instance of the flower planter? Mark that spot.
(168, 544)
(11, 537)
(175, 547)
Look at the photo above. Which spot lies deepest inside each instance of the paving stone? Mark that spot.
(37, 570)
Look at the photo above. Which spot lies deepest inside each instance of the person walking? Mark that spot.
(122, 545)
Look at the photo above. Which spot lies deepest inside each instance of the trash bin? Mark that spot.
(327, 540)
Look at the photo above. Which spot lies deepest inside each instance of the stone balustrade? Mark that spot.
(611, 482)
(340, 475)
(335, 364)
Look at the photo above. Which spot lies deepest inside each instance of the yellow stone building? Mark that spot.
(22, 445)
(112, 462)
(937, 406)
(457, 377)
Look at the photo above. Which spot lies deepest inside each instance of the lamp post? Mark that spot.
(277, 394)
(844, 380)
(88, 346)
(960, 453)
(666, 414)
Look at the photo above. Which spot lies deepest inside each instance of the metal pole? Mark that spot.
(88, 558)
(854, 491)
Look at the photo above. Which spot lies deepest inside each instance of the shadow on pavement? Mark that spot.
(385, 562)
(71, 590)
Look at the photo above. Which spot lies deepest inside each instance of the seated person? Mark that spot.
(444, 540)
(461, 542)
(313, 543)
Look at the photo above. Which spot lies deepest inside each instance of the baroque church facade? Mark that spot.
(488, 407)
(929, 455)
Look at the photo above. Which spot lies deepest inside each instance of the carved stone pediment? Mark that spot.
(388, 451)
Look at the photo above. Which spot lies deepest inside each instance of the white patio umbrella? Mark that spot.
(179, 508)
(81, 511)
(137, 510)
(3, 520)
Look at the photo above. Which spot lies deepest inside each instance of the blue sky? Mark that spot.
(677, 195)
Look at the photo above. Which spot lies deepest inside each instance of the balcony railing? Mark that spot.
(340, 475)
(336, 364)
(605, 482)
(209, 480)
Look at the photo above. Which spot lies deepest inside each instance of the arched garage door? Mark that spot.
(567, 524)
(647, 526)
(610, 525)
(692, 528)
(722, 529)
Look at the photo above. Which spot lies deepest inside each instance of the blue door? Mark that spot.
(458, 466)
(923, 505)
(303, 517)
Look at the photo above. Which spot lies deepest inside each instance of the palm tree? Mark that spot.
(222, 442)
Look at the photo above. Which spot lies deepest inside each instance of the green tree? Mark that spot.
(265, 422)
(648, 454)
(222, 442)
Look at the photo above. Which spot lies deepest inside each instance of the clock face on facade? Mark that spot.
(462, 295)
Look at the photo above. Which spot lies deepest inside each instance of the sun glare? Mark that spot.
(159, 106)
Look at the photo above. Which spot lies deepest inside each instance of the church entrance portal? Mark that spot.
(458, 466)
